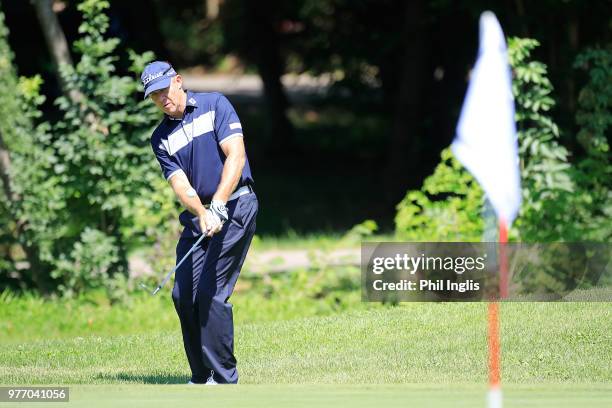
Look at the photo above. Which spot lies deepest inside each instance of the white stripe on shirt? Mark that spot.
(185, 133)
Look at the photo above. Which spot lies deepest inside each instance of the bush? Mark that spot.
(594, 172)
(86, 181)
(20, 170)
(545, 171)
(89, 264)
(560, 202)
(446, 209)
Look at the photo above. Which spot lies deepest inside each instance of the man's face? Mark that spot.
(168, 99)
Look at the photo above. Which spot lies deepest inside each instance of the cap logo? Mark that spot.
(151, 77)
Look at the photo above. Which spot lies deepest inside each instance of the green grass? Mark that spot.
(414, 343)
(305, 339)
(292, 240)
(257, 298)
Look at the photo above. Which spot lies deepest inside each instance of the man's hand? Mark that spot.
(210, 223)
(215, 217)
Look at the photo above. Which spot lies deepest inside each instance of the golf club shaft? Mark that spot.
(161, 285)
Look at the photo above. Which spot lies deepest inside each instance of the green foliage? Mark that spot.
(8, 105)
(558, 202)
(359, 232)
(86, 180)
(257, 298)
(103, 156)
(595, 100)
(8, 81)
(40, 194)
(545, 170)
(447, 208)
(105, 133)
(563, 202)
(88, 265)
(18, 101)
(594, 172)
(543, 161)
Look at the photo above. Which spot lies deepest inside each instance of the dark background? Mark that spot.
(324, 162)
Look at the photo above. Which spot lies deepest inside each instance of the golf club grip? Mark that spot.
(181, 261)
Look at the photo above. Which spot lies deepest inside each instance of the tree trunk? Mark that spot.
(212, 9)
(270, 65)
(58, 47)
(277, 104)
(54, 35)
(56, 42)
(403, 154)
(573, 34)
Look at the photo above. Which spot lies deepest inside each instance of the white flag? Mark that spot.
(486, 141)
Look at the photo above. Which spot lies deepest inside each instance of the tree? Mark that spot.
(252, 29)
(103, 167)
(407, 99)
(79, 186)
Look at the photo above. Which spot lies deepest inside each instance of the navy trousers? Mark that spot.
(202, 288)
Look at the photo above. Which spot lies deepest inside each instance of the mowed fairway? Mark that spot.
(419, 354)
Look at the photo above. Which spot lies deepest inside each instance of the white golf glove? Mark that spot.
(215, 217)
(219, 209)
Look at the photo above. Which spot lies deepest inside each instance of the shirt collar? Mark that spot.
(190, 104)
(191, 100)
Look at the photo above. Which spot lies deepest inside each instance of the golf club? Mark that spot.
(161, 285)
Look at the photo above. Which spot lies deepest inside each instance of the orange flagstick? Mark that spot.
(503, 259)
(495, 394)
(487, 145)
(495, 397)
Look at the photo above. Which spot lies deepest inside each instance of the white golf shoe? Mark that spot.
(209, 381)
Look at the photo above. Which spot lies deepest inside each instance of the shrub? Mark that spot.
(89, 263)
(86, 180)
(560, 202)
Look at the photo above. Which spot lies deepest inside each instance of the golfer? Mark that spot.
(200, 148)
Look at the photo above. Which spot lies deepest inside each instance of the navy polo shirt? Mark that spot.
(192, 145)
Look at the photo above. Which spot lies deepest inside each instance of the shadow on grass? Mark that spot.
(145, 379)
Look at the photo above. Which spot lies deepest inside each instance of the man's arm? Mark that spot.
(232, 170)
(190, 200)
(235, 159)
(186, 194)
